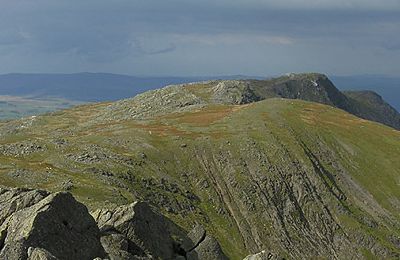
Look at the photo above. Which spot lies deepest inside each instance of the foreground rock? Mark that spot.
(17, 199)
(58, 224)
(37, 225)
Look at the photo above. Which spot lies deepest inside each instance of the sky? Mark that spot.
(203, 37)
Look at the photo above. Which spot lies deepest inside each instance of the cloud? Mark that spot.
(136, 35)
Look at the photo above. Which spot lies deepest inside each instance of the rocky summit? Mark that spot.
(284, 168)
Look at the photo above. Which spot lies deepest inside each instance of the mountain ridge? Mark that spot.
(313, 87)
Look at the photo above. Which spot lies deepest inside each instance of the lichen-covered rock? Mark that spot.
(58, 224)
(39, 254)
(13, 200)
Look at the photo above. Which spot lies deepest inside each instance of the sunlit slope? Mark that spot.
(297, 178)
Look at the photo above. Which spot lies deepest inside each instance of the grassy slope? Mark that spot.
(224, 155)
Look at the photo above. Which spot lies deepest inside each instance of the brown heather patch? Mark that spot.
(164, 130)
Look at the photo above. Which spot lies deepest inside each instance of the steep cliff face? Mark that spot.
(296, 179)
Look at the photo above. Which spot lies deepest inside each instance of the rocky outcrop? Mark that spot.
(37, 225)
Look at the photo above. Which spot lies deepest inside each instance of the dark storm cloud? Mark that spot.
(199, 37)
